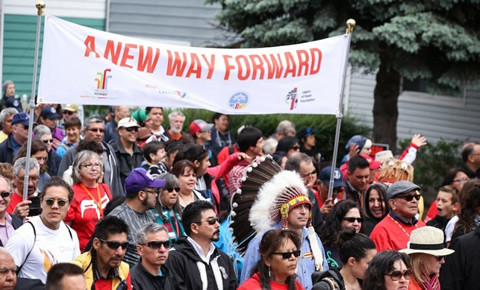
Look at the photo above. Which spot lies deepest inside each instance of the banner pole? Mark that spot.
(350, 26)
(40, 5)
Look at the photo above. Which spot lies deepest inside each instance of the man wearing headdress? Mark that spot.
(282, 202)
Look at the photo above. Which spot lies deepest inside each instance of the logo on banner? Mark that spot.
(291, 99)
(102, 82)
(179, 94)
(238, 101)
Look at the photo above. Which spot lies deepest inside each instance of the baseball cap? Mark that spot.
(374, 164)
(305, 132)
(138, 180)
(70, 107)
(324, 176)
(400, 187)
(127, 123)
(199, 126)
(49, 113)
(20, 118)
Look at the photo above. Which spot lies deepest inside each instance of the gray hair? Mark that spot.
(6, 84)
(21, 163)
(176, 113)
(7, 113)
(285, 127)
(269, 146)
(170, 181)
(294, 161)
(141, 234)
(9, 183)
(81, 157)
(93, 119)
(40, 131)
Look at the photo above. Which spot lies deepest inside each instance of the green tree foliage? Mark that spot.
(434, 40)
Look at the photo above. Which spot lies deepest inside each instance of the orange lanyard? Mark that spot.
(97, 202)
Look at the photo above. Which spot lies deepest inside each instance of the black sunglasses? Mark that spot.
(5, 194)
(177, 189)
(410, 197)
(68, 112)
(96, 130)
(51, 201)
(287, 255)
(210, 221)
(114, 245)
(439, 258)
(47, 141)
(157, 244)
(130, 129)
(397, 275)
(353, 219)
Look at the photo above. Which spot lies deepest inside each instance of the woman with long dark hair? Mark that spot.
(388, 270)
(469, 215)
(279, 250)
(375, 206)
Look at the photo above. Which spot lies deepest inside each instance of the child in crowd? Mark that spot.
(447, 205)
(154, 153)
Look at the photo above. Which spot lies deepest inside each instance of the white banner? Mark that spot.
(87, 66)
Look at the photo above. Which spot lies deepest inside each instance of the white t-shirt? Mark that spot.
(449, 228)
(50, 247)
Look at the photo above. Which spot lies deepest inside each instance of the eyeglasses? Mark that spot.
(5, 194)
(90, 166)
(397, 275)
(296, 147)
(353, 219)
(96, 130)
(287, 255)
(338, 189)
(155, 191)
(114, 245)
(410, 197)
(65, 112)
(461, 180)
(177, 189)
(47, 141)
(31, 178)
(51, 201)
(25, 127)
(210, 221)
(130, 129)
(157, 244)
(439, 258)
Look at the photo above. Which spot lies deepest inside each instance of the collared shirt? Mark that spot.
(402, 220)
(6, 230)
(198, 249)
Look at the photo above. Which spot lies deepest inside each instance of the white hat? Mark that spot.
(127, 123)
(427, 240)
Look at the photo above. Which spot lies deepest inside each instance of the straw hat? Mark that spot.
(427, 240)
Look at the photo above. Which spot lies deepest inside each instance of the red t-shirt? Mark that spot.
(254, 283)
(84, 212)
(14, 200)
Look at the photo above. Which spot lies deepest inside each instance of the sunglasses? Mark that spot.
(439, 258)
(68, 112)
(114, 245)
(5, 194)
(47, 141)
(51, 201)
(287, 255)
(177, 189)
(210, 221)
(25, 127)
(157, 244)
(296, 147)
(353, 219)
(410, 197)
(130, 129)
(156, 191)
(96, 130)
(397, 275)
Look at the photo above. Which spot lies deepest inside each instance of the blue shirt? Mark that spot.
(305, 266)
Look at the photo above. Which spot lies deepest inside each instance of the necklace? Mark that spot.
(408, 235)
(350, 285)
(184, 202)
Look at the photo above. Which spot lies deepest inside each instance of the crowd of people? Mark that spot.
(120, 202)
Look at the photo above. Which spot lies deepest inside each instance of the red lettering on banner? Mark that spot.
(274, 68)
(210, 65)
(146, 61)
(127, 56)
(257, 65)
(245, 66)
(291, 65)
(176, 66)
(228, 66)
(112, 53)
(316, 55)
(195, 67)
(90, 46)
(302, 62)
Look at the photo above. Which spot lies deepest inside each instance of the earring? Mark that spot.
(269, 273)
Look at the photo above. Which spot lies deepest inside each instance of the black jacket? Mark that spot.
(126, 162)
(320, 283)
(6, 151)
(142, 279)
(461, 268)
(183, 261)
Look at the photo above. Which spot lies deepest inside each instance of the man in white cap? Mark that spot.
(393, 232)
(129, 154)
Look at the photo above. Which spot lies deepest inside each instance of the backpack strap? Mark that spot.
(34, 240)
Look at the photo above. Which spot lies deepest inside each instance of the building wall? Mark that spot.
(435, 117)
(18, 34)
